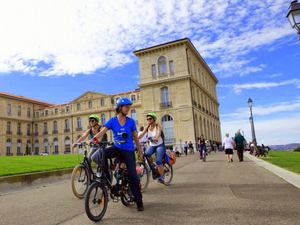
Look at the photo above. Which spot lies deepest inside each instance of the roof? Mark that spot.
(20, 97)
(183, 40)
(127, 92)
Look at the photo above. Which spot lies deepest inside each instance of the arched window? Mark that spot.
(8, 127)
(162, 65)
(55, 146)
(46, 144)
(45, 128)
(67, 125)
(103, 119)
(79, 126)
(133, 114)
(55, 128)
(28, 148)
(36, 147)
(8, 147)
(19, 147)
(67, 145)
(168, 128)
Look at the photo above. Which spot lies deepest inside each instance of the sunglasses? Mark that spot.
(92, 121)
(149, 118)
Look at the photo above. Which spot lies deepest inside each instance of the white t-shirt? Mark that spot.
(152, 134)
(143, 139)
(228, 143)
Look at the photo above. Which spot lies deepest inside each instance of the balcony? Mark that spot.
(28, 133)
(36, 133)
(45, 132)
(79, 129)
(67, 130)
(55, 132)
(165, 104)
(19, 133)
(8, 132)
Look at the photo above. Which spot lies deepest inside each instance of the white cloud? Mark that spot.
(238, 88)
(73, 36)
(269, 131)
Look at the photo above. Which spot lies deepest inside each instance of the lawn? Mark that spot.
(285, 159)
(11, 165)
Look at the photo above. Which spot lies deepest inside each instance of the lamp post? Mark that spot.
(294, 16)
(250, 104)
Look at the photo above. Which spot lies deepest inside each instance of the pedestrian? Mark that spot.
(240, 142)
(191, 147)
(202, 146)
(185, 146)
(228, 144)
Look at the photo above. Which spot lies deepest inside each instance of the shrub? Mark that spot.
(297, 149)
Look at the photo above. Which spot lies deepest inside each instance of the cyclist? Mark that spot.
(124, 132)
(94, 128)
(153, 133)
(202, 146)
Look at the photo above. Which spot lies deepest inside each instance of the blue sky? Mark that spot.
(56, 50)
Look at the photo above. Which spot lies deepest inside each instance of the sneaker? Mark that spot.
(140, 206)
(161, 179)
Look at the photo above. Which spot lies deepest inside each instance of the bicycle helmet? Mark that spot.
(95, 117)
(152, 114)
(123, 101)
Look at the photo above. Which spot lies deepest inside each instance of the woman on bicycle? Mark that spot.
(124, 132)
(94, 128)
(153, 133)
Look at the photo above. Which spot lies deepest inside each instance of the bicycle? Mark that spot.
(149, 167)
(96, 198)
(83, 174)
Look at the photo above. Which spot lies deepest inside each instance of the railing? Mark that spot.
(19, 133)
(79, 129)
(36, 133)
(45, 133)
(67, 130)
(55, 132)
(8, 132)
(165, 104)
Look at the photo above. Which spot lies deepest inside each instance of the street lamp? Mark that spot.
(250, 104)
(294, 16)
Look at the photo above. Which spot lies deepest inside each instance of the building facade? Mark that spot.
(175, 82)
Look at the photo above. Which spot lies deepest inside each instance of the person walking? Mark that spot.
(191, 147)
(185, 146)
(202, 146)
(228, 144)
(240, 142)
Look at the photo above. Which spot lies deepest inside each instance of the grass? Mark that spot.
(285, 159)
(13, 165)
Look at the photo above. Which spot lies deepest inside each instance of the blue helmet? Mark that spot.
(123, 101)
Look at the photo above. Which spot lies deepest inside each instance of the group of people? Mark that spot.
(126, 140)
(201, 145)
(237, 142)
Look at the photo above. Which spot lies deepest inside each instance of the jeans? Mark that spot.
(128, 158)
(201, 148)
(160, 152)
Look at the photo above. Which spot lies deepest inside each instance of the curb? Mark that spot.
(290, 177)
(14, 182)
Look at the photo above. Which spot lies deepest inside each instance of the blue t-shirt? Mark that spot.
(119, 133)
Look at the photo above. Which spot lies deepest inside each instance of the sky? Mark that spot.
(55, 50)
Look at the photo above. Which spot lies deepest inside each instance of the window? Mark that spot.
(112, 101)
(133, 98)
(168, 128)
(28, 129)
(79, 123)
(67, 125)
(153, 69)
(162, 66)
(78, 106)
(36, 130)
(19, 146)
(8, 109)
(8, 127)
(19, 129)
(8, 147)
(46, 112)
(19, 110)
(36, 147)
(67, 109)
(46, 145)
(102, 102)
(55, 111)
(45, 128)
(164, 95)
(67, 145)
(133, 114)
(36, 114)
(28, 148)
(28, 112)
(103, 119)
(55, 146)
(171, 67)
(90, 104)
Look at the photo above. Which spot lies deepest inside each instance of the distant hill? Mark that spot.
(285, 147)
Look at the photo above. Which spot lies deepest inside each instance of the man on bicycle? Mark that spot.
(153, 133)
(124, 132)
(94, 128)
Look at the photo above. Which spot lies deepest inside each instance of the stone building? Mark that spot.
(175, 82)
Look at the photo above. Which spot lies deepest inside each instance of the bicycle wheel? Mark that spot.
(144, 176)
(204, 156)
(80, 180)
(127, 197)
(168, 169)
(96, 201)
